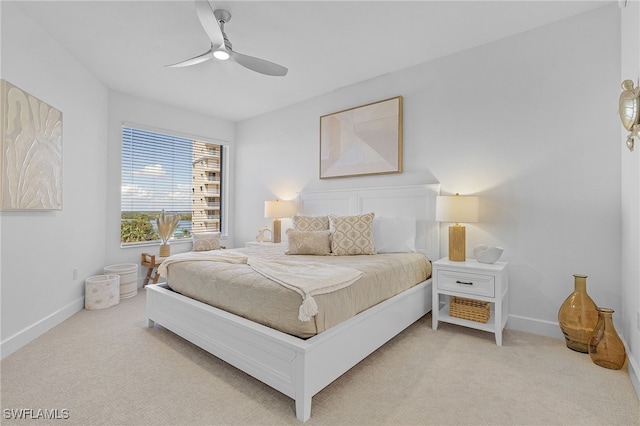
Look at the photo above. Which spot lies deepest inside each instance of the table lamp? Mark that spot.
(456, 209)
(277, 210)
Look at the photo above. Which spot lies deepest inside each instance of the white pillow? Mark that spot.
(394, 234)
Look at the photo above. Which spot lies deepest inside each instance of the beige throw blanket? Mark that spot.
(306, 278)
(226, 256)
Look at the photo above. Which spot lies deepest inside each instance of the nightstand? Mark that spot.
(471, 280)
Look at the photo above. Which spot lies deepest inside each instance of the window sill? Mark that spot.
(155, 243)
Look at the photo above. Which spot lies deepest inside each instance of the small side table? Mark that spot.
(474, 280)
(152, 262)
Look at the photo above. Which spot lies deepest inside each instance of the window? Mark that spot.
(177, 174)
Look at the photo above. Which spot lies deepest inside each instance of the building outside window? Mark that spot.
(207, 189)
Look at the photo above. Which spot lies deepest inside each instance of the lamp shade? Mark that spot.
(278, 209)
(456, 209)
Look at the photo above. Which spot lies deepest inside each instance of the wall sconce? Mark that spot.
(629, 110)
(277, 210)
(457, 209)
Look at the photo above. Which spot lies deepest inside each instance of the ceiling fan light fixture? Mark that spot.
(213, 21)
(221, 54)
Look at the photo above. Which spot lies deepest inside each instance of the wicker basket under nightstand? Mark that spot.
(470, 309)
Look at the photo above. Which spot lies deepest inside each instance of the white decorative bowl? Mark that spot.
(484, 254)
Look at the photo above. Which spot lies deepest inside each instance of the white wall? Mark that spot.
(526, 123)
(630, 167)
(125, 108)
(41, 249)
(38, 290)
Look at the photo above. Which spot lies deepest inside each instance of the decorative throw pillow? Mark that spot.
(352, 235)
(394, 234)
(203, 241)
(311, 223)
(309, 242)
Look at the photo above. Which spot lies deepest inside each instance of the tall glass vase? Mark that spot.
(605, 346)
(578, 316)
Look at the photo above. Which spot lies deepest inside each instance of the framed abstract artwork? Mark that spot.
(365, 140)
(31, 156)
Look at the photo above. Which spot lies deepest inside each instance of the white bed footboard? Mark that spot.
(296, 367)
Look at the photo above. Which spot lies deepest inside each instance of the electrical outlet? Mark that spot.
(75, 273)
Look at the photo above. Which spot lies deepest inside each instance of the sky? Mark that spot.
(156, 171)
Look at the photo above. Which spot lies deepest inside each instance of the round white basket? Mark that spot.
(101, 291)
(128, 278)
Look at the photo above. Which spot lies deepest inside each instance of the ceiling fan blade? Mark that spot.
(259, 65)
(209, 22)
(195, 60)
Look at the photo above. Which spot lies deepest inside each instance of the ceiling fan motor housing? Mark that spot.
(223, 17)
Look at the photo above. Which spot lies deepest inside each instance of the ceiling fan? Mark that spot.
(213, 22)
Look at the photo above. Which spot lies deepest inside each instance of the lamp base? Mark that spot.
(276, 231)
(457, 246)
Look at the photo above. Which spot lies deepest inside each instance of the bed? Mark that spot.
(301, 367)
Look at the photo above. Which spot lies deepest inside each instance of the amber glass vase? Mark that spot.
(578, 316)
(605, 346)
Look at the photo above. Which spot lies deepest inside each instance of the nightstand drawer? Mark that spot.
(467, 283)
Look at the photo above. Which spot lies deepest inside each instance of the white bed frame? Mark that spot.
(296, 367)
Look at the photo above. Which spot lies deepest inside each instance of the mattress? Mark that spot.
(238, 289)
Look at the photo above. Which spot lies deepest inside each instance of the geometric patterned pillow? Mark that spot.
(311, 223)
(352, 235)
(204, 241)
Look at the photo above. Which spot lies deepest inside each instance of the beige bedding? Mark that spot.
(239, 289)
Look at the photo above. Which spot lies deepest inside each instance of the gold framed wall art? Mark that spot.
(31, 155)
(360, 141)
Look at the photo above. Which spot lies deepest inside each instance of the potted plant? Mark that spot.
(167, 223)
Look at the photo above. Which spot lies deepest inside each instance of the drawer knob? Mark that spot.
(464, 282)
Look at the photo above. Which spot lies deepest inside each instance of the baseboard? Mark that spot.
(634, 371)
(535, 326)
(21, 338)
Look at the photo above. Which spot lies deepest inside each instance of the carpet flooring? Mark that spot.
(105, 367)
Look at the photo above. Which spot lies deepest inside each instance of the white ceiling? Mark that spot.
(326, 45)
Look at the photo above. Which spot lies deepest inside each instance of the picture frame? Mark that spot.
(361, 141)
(31, 151)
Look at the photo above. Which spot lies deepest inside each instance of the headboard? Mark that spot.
(417, 201)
